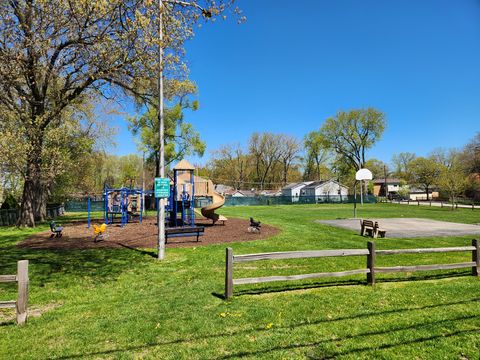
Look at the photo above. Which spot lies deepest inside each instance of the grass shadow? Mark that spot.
(292, 326)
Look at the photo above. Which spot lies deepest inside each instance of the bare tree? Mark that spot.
(290, 148)
(265, 149)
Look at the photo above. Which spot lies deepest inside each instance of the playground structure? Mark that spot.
(127, 203)
(124, 202)
(186, 187)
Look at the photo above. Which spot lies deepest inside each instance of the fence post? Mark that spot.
(22, 300)
(229, 273)
(371, 263)
(418, 202)
(476, 258)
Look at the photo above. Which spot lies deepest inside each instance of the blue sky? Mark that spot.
(295, 63)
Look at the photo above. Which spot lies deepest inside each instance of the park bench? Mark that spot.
(184, 231)
(371, 228)
(56, 230)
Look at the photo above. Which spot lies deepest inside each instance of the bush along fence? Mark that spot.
(371, 270)
(9, 217)
(21, 278)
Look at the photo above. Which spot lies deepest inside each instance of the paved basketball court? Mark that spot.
(410, 227)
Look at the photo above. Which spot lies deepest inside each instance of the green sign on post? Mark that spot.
(162, 187)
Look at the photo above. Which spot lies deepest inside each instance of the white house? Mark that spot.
(294, 189)
(240, 193)
(270, 193)
(329, 188)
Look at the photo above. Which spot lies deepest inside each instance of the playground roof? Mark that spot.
(184, 165)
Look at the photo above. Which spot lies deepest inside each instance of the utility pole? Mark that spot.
(385, 181)
(161, 139)
(161, 202)
(143, 182)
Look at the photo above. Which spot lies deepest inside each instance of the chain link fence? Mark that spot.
(9, 217)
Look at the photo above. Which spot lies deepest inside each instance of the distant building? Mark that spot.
(391, 189)
(270, 193)
(330, 188)
(223, 189)
(240, 193)
(420, 194)
(294, 189)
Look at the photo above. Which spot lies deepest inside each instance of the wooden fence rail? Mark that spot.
(370, 270)
(21, 278)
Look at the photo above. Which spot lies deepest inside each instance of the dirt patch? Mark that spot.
(144, 235)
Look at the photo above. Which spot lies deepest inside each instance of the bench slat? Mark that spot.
(184, 235)
(184, 230)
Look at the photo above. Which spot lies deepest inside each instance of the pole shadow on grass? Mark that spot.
(366, 315)
(141, 251)
(328, 354)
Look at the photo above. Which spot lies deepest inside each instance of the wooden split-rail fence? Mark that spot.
(21, 278)
(371, 270)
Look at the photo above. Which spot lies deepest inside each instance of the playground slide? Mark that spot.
(209, 210)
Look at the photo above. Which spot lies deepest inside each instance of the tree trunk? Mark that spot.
(26, 209)
(40, 201)
(31, 191)
(427, 188)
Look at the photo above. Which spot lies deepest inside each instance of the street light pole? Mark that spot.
(161, 202)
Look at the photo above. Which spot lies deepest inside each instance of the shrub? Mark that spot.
(9, 203)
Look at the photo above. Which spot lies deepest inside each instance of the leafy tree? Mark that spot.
(9, 203)
(452, 179)
(350, 134)
(378, 168)
(265, 149)
(231, 166)
(401, 163)
(425, 173)
(55, 52)
(181, 139)
(289, 149)
(316, 157)
(471, 155)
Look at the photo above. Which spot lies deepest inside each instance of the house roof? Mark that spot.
(184, 165)
(389, 181)
(243, 192)
(270, 192)
(317, 184)
(223, 188)
(297, 184)
(292, 186)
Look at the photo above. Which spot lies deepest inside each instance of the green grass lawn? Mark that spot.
(125, 304)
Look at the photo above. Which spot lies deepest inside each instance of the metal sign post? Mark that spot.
(162, 188)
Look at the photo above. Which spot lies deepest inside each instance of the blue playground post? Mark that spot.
(141, 205)
(88, 207)
(105, 203)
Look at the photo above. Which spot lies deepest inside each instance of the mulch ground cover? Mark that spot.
(144, 235)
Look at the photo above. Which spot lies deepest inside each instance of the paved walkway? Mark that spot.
(410, 227)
